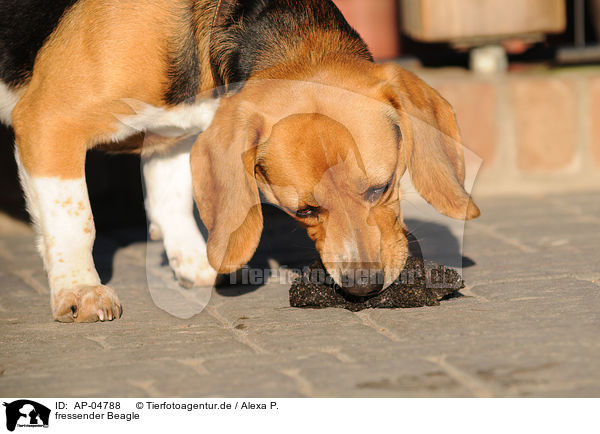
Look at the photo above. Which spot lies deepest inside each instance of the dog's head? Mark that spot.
(329, 149)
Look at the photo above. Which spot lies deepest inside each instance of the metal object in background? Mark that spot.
(483, 27)
(580, 52)
(579, 18)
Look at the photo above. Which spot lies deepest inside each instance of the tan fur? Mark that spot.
(224, 188)
(321, 139)
(433, 148)
(82, 76)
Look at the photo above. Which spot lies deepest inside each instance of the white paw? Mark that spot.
(191, 268)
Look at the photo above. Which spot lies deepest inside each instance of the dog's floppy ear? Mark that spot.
(431, 145)
(225, 190)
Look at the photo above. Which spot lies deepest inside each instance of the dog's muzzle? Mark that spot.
(362, 282)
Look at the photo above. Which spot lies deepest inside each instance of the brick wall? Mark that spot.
(536, 131)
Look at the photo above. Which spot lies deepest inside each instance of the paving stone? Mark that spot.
(527, 324)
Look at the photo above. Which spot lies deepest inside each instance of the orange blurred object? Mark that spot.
(377, 23)
(515, 46)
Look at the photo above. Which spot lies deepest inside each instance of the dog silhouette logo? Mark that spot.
(26, 413)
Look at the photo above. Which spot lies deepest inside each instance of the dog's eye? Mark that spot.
(309, 211)
(376, 192)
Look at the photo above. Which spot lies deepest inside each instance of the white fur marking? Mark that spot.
(31, 200)
(62, 216)
(170, 208)
(180, 120)
(350, 252)
(67, 227)
(8, 101)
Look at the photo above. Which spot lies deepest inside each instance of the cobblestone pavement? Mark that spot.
(527, 325)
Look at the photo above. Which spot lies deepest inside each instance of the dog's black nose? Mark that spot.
(362, 284)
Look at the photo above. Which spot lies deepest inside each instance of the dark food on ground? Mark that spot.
(421, 283)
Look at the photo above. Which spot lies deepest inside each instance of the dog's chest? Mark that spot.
(164, 125)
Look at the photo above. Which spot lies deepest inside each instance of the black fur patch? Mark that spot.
(254, 35)
(24, 27)
(184, 64)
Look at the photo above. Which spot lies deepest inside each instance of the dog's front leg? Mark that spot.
(62, 216)
(170, 209)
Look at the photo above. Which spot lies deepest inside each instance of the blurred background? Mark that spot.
(522, 75)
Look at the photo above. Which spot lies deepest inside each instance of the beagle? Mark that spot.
(301, 114)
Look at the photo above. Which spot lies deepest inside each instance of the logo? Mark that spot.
(26, 413)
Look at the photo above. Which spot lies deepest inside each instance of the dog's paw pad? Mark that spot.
(86, 304)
